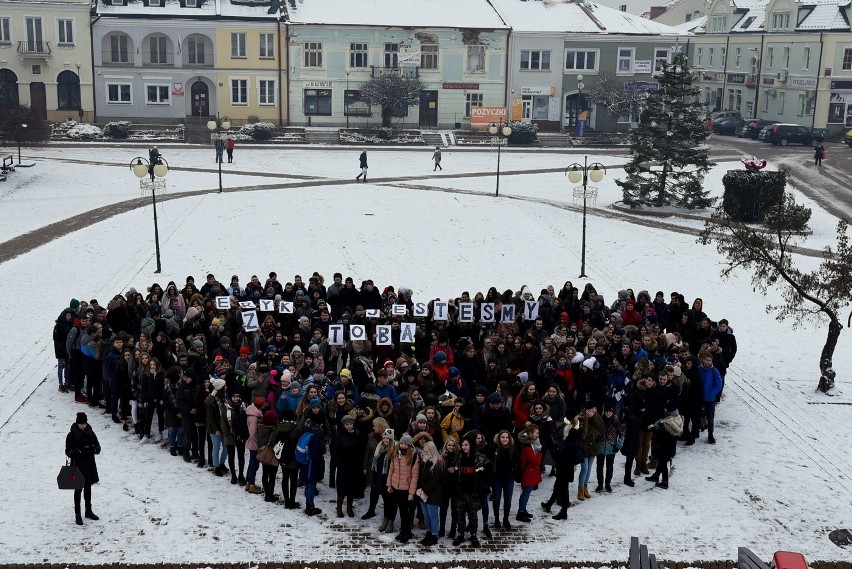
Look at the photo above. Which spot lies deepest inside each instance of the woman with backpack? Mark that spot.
(612, 441)
(266, 434)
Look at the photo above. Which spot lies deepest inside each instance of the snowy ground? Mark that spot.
(779, 478)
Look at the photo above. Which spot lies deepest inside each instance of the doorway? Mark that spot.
(200, 99)
(428, 108)
(38, 100)
(573, 106)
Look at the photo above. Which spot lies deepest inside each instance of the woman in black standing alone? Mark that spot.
(81, 446)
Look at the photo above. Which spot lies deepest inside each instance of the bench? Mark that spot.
(747, 559)
(8, 166)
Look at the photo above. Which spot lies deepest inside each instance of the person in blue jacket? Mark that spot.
(711, 385)
(289, 400)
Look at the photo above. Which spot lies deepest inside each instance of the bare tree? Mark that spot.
(393, 92)
(815, 296)
(610, 93)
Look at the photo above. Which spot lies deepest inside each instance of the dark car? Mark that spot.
(751, 128)
(728, 126)
(785, 134)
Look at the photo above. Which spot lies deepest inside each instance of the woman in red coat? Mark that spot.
(530, 467)
(527, 397)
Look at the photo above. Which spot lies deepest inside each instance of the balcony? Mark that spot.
(118, 58)
(407, 72)
(198, 60)
(34, 49)
(158, 59)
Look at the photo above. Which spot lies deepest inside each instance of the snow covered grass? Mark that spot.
(777, 479)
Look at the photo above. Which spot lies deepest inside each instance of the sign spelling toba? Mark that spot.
(481, 117)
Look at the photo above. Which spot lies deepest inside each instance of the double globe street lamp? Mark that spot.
(157, 167)
(502, 131)
(218, 125)
(583, 172)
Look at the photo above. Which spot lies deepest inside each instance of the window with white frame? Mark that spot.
(782, 101)
(723, 55)
(661, 56)
(313, 54)
(738, 54)
(195, 51)
(476, 58)
(781, 20)
(710, 54)
(358, 55)
(766, 100)
(429, 56)
(157, 94)
(786, 57)
(719, 24)
(159, 49)
(5, 30)
(535, 60)
(847, 59)
(65, 32)
(699, 54)
(581, 60)
(238, 45)
(317, 102)
(770, 57)
(625, 60)
(155, 2)
(471, 100)
(392, 55)
(265, 92)
(119, 48)
(239, 91)
(267, 46)
(631, 114)
(806, 58)
(191, 3)
(118, 94)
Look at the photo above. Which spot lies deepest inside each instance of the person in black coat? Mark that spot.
(81, 446)
(344, 448)
(632, 429)
(567, 455)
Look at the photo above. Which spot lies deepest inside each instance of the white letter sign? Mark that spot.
(398, 310)
(373, 313)
(247, 305)
(440, 310)
(335, 335)
(285, 307)
(223, 302)
(421, 309)
(486, 313)
(267, 305)
(466, 312)
(357, 332)
(407, 332)
(250, 321)
(508, 314)
(383, 335)
(530, 309)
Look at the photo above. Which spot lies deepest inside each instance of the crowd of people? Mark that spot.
(440, 429)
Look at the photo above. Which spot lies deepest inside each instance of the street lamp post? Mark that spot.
(501, 131)
(157, 167)
(577, 172)
(78, 65)
(345, 108)
(218, 124)
(20, 135)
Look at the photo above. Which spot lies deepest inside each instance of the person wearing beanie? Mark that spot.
(345, 449)
(289, 400)
(254, 417)
(81, 446)
(403, 475)
(664, 446)
(379, 443)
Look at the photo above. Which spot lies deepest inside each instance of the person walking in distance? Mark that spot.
(220, 148)
(363, 161)
(229, 148)
(819, 152)
(436, 156)
(81, 446)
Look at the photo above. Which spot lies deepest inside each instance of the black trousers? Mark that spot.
(190, 436)
(289, 484)
(86, 492)
(399, 501)
(267, 480)
(609, 460)
(239, 449)
(77, 370)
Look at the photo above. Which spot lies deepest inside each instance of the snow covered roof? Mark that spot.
(753, 15)
(824, 15)
(569, 16)
(206, 9)
(694, 26)
(476, 14)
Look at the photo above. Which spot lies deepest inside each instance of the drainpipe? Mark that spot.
(816, 89)
(92, 56)
(280, 86)
(760, 77)
(506, 77)
(287, 74)
(725, 66)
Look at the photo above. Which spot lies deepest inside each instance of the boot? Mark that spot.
(406, 535)
(340, 506)
(629, 481)
(389, 527)
(637, 470)
(452, 533)
(349, 511)
(523, 517)
(425, 541)
(459, 539)
(241, 480)
(652, 464)
(547, 505)
(663, 485)
(506, 524)
(652, 478)
(608, 488)
(370, 514)
(586, 491)
(486, 531)
(173, 451)
(580, 495)
(474, 542)
(90, 515)
(201, 463)
(233, 478)
(77, 515)
(562, 515)
(384, 525)
(599, 488)
(254, 489)
(496, 524)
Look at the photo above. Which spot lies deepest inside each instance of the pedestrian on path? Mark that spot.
(229, 148)
(363, 162)
(819, 152)
(220, 148)
(81, 446)
(436, 156)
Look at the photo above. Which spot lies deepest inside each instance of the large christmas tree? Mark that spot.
(669, 160)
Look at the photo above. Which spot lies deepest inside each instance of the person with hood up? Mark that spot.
(666, 432)
(314, 422)
(81, 446)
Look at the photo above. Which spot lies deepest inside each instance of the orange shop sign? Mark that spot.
(481, 117)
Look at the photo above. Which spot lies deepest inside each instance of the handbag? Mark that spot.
(70, 478)
(266, 455)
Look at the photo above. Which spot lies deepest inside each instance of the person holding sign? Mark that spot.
(362, 159)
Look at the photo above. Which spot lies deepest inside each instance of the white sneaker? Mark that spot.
(144, 440)
(158, 438)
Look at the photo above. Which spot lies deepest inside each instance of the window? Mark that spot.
(661, 56)
(719, 24)
(429, 56)
(735, 99)
(622, 7)
(157, 94)
(847, 59)
(191, 3)
(118, 51)
(699, 53)
(353, 105)
(578, 60)
(357, 55)
(770, 56)
(471, 100)
(630, 115)
(118, 93)
(723, 55)
(195, 51)
(781, 20)
(267, 46)
(313, 54)
(155, 2)
(35, 35)
(766, 100)
(786, 57)
(5, 31)
(159, 49)
(738, 56)
(535, 107)
(318, 102)
(238, 45)
(8, 87)
(806, 58)
(476, 58)
(532, 60)
(239, 91)
(625, 60)
(710, 51)
(68, 90)
(782, 96)
(266, 91)
(66, 32)
(392, 55)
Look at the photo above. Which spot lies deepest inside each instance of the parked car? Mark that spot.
(785, 134)
(718, 115)
(728, 126)
(751, 128)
